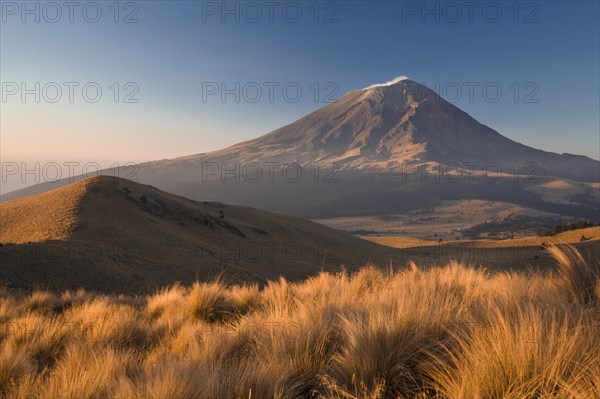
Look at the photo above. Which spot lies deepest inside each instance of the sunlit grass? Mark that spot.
(446, 332)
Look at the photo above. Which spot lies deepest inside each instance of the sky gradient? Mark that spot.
(544, 56)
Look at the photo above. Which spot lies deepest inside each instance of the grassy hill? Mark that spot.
(589, 234)
(114, 235)
(517, 253)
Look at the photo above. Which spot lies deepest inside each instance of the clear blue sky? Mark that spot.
(550, 49)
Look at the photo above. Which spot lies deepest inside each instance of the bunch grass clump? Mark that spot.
(452, 331)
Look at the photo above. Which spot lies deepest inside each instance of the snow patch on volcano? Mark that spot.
(391, 82)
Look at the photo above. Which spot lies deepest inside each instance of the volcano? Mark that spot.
(385, 149)
(382, 128)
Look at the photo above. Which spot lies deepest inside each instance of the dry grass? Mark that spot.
(591, 234)
(447, 332)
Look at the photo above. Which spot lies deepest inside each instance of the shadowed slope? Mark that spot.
(112, 234)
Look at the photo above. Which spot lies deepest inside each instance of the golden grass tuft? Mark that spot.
(209, 301)
(580, 278)
(446, 332)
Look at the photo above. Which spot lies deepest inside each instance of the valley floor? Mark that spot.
(446, 332)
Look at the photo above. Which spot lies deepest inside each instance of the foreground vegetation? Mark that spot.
(448, 332)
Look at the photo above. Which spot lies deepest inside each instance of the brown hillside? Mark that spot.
(114, 235)
(519, 253)
(111, 234)
(590, 234)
